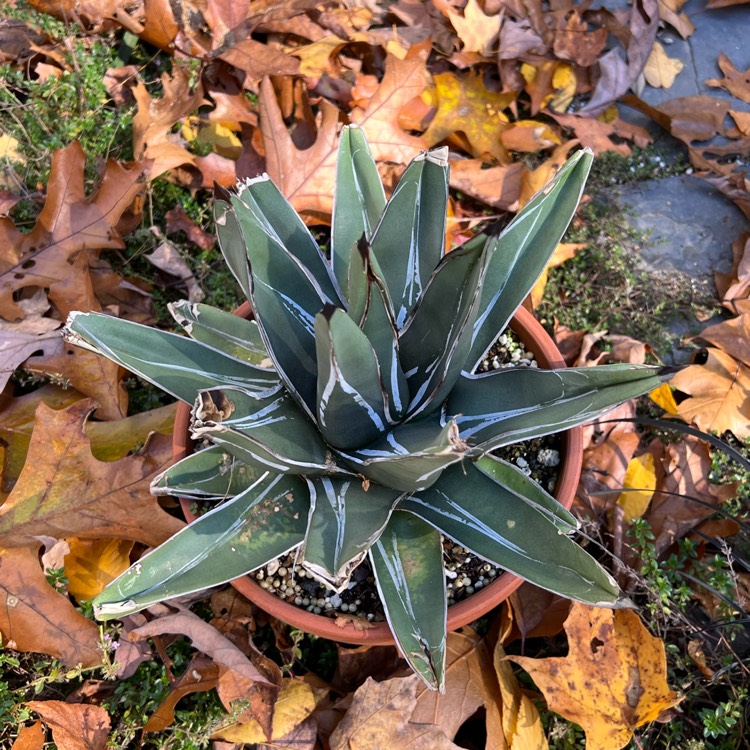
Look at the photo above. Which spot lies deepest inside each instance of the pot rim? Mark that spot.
(536, 340)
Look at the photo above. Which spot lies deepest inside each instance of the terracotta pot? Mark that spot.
(536, 340)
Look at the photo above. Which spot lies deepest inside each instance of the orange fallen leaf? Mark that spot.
(30, 738)
(731, 336)
(613, 679)
(75, 726)
(736, 82)
(93, 563)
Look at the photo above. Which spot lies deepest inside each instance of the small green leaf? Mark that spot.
(264, 522)
(505, 406)
(268, 433)
(409, 240)
(177, 364)
(411, 456)
(436, 338)
(208, 474)
(519, 255)
(345, 519)
(407, 560)
(358, 202)
(234, 336)
(231, 240)
(494, 523)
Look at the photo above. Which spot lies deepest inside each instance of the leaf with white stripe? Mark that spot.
(176, 364)
(407, 560)
(345, 519)
(262, 523)
(351, 402)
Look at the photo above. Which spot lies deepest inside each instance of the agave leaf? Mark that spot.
(265, 521)
(276, 218)
(177, 364)
(407, 560)
(268, 433)
(234, 336)
(358, 202)
(411, 456)
(285, 298)
(528, 491)
(345, 519)
(518, 403)
(409, 239)
(437, 336)
(351, 402)
(518, 256)
(494, 523)
(208, 474)
(231, 240)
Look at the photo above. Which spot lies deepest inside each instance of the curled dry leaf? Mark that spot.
(661, 70)
(731, 336)
(613, 679)
(74, 726)
(736, 82)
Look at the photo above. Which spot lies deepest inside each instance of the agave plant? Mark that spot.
(346, 418)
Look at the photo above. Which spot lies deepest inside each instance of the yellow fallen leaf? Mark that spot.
(612, 680)
(564, 251)
(662, 396)
(9, 149)
(93, 563)
(315, 58)
(218, 136)
(476, 29)
(564, 82)
(661, 70)
(522, 725)
(295, 703)
(638, 487)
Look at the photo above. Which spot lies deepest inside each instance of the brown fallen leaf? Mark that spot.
(64, 491)
(683, 474)
(719, 394)
(167, 258)
(75, 726)
(499, 187)
(355, 665)
(736, 82)
(669, 11)
(179, 221)
(379, 717)
(34, 617)
(613, 679)
(734, 287)
(575, 41)
(731, 336)
(476, 30)
(593, 133)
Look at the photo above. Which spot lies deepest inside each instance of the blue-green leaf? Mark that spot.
(495, 523)
(177, 364)
(262, 523)
(210, 474)
(407, 560)
(411, 456)
(437, 336)
(234, 336)
(519, 255)
(345, 519)
(351, 402)
(409, 240)
(358, 202)
(231, 240)
(268, 433)
(505, 406)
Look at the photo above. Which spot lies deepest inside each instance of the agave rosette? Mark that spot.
(346, 420)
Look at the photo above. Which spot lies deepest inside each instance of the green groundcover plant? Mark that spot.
(346, 419)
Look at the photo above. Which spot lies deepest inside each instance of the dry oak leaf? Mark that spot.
(475, 28)
(736, 82)
(63, 491)
(70, 222)
(465, 106)
(669, 11)
(720, 391)
(593, 133)
(613, 679)
(379, 717)
(35, 617)
(499, 186)
(731, 336)
(734, 287)
(153, 122)
(30, 737)
(91, 564)
(661, 70)
(75, 726)
(574, 40)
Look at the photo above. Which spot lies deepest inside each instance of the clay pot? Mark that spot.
(537, 341)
